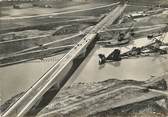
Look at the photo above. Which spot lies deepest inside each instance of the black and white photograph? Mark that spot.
(83, 58)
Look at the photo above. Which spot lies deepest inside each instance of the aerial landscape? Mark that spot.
(84, 58)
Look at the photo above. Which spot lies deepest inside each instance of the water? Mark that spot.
(139, 69)
(18, 78)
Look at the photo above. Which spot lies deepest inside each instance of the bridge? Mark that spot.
(61, 71)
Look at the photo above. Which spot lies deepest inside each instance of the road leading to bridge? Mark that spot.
(58, 74)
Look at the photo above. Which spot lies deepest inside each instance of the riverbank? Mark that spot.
(110, 97)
